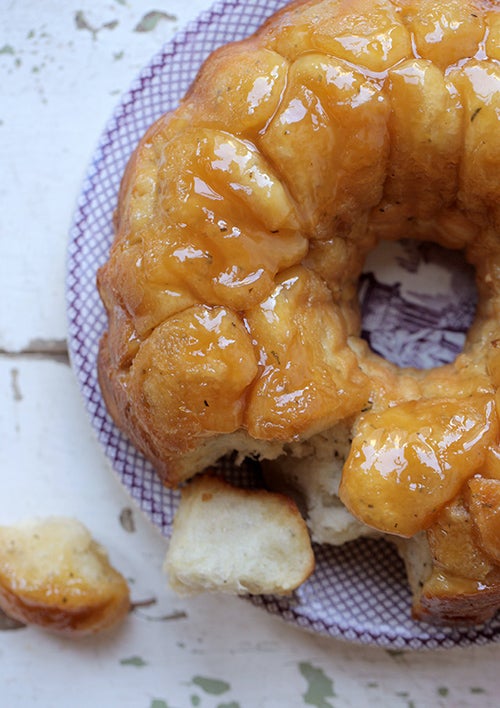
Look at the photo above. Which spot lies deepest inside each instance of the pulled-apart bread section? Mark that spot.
(243, 222)
(237, 541)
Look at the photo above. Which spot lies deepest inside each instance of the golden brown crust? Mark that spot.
(244, 219)
(453, 578)
(452, 601)
(52, 574)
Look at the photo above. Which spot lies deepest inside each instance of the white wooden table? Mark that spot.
(63, 66)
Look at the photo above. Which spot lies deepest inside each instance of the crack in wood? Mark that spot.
(51, 349)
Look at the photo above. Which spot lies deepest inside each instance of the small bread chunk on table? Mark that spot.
(53, 574)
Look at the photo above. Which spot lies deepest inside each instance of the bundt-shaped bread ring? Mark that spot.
(243, 222)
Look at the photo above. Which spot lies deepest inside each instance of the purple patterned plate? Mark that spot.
(358, 592)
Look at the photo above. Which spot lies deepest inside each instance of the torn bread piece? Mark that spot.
(53, 574)
(237, 541)
(453, 581)
(310, 474)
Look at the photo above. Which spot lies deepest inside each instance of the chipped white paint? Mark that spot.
(63, 66)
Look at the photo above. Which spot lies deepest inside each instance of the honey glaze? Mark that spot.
(409, 460)
(305, 382)
(208, 354)
(445, 32)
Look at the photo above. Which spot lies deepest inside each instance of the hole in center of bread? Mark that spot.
(417, 302)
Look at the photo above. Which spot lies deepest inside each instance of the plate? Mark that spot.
(358, 591)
